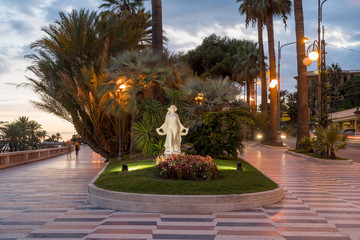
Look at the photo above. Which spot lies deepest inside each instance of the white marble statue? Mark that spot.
(173, 130)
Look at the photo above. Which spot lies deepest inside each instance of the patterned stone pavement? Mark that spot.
(47, 200)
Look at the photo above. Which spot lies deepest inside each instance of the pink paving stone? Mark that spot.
(306, 229)
(167, 227)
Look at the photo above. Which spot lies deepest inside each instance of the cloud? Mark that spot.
(11, 84)
(186, 39)
(8, 100)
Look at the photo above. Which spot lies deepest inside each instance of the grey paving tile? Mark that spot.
(56, 235)
(183, 236)
(187, 219)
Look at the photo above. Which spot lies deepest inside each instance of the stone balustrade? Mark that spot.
(12, 159)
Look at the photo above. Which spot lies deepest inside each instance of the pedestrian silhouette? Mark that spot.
(77, 148)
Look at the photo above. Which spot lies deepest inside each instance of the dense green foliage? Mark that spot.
(222, 132)
(305, 144)
(327, 141)
(351, 92)
(214, 57)
(143, 177)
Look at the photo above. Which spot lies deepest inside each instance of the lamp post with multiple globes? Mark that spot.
(316, 51)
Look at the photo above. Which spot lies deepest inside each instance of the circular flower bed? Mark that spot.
(187, 167)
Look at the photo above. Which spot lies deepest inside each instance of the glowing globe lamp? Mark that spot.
(313, 55)
(273, 83)
(307, 61)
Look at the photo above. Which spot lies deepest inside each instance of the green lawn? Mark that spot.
(315, 155)
(143, 177)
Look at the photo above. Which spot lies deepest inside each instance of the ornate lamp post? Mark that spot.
(122, 87)
(317, 46)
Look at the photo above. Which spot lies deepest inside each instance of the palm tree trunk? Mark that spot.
(302, 84)
(273, 91)
(157, 32)
(252, 99)
(262, 69)
(248, 92)
(132, 138)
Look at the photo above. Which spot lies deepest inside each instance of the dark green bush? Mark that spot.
(222, 132)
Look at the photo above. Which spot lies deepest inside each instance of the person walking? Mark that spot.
(77, 148)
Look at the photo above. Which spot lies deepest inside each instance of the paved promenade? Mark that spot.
(47, 200)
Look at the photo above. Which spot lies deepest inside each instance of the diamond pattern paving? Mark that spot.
(47, 200)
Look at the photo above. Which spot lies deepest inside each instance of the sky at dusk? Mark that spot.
(186, 23)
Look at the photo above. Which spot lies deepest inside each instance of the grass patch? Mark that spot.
(143, 177)
(315, 155)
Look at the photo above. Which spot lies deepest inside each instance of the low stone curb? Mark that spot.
(136, 202)
(271, 147)
(319, 160)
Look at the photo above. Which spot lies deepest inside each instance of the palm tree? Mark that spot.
(143, 73)
(270, 8)
(202, 96)
(157, 32)
(274, 8)
(328, 141)
(32, 128)
(253, 13)
(69, 63)
(302, 85)
(121, 6)
(58, 137)
(246, 68)
(333, 74)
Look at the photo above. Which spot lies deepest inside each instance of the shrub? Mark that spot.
(328, 141)
(305, 144)
(187, 167)
(222, 132)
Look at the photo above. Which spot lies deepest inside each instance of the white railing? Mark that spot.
(11, 159)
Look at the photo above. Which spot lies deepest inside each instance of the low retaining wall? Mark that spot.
(135, 202)
(319, 160)
(272, 147)
(12, 159)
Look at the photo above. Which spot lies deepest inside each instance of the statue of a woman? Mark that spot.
(173, 130)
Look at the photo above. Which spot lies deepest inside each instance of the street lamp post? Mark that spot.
(319, 55)
(279, 58)
(278, 76)
(121, 88)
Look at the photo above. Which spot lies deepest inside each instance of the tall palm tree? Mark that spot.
(247, 68)
(69, 63)
(253, 13)
(302, 85)
(270, 9)
(274, 8)
(157, 31)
